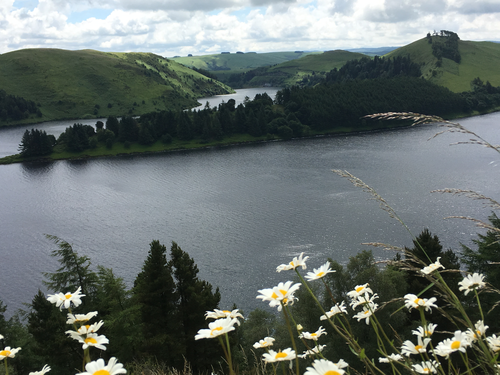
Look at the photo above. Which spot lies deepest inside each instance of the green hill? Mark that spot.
(478, 59)
(238, 62)
(295, 72)
(87, 83)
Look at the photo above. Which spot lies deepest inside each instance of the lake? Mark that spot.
(240, 211)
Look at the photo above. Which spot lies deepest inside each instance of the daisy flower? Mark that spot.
(494, 343)
(480, 330)
(216, 328)
(363, 300)
(409, 348)
(337, 309)
(80, 318)
(217, 314)
(92, 339)
(86, 329)
(312, 352)
(432, 267)
(285, 355)
(324, 367)
(459, 342)
(296, 262)
(43, 371)
(265, 343)
(342, 364)
(413, 301)
(392, 357)
(64, 300)
(98, 368)
(313, 336)
(471, 282)
(368, 311)
(281, 293)
(359, 290)
(318, 273)
(425, 331)
(426, 367)
(8, 352)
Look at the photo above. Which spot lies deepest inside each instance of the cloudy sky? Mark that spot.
(179, 27)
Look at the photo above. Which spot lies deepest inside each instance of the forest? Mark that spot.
(14, 108)
(295, 112)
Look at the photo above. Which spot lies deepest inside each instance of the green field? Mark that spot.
(479, 59)
(87, 83)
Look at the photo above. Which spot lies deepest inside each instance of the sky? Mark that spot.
(199, 27)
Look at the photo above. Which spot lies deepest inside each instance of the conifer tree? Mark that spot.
(155, 294)
(47, 325)
(195, 298)
(74, 272)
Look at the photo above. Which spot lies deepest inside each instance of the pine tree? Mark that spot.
(195, 298)
(156, 297)
(74, 272)
(47, 325)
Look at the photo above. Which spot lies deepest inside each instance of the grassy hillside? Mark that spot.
(294, 72)
(479, 59)
(87, 83)
(238, 62)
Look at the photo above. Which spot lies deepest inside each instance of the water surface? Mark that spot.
(241, 211)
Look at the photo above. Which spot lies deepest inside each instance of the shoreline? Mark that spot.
(5, 160)
(84, 156)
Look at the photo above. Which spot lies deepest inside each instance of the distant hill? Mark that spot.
(301, 71)
(87, 83)
(380, 51)
(478, 59)
(239, 62)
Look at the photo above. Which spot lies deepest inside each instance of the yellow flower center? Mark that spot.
(427, 369)
(68, 295)
(280, 355)
(320, 274)
(5, 353)
(314, 334)
(331, 372)
(427, 333)
(274, 296)
(455, 345)
(359, 289)
(417, 301)
(215, 329)
(226, 311)
(101, 372)
(282, 291)
(90, 340)
(291, 263)
(418, 347)
(478, 332)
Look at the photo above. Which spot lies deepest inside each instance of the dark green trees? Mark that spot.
(195, 298)
(172, 301)
(36, 143)
(486, 257)
(155, 293)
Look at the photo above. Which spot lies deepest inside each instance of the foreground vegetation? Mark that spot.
(417, 314)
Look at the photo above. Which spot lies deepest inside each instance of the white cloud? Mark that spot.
(179, 27)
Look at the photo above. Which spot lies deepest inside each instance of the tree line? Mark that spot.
(15, 108)
(295, 112)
